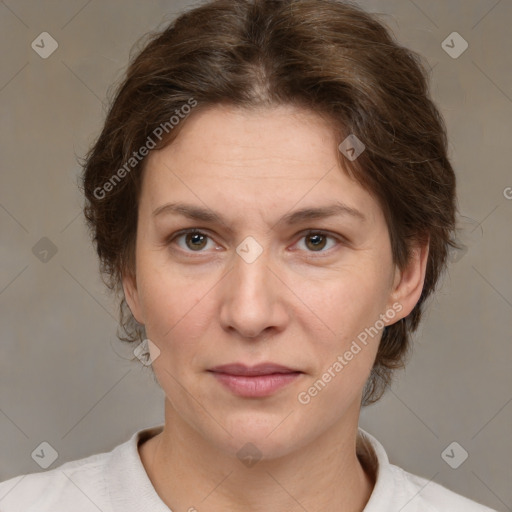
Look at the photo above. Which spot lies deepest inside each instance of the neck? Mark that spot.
(188, 473)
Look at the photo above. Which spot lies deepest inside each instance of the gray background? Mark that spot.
(64, 377)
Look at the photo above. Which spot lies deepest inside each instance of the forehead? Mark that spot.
(252, 158)
(256, 134)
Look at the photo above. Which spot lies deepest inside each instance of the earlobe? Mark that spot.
(131, 295)
(408, 282)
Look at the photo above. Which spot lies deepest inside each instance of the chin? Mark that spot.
(261, 436)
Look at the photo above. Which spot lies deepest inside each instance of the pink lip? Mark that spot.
(256, 381)
(259, 369)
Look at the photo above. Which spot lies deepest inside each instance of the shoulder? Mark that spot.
(77, 485)
(425, 495)
(396, 489)
(98, 482)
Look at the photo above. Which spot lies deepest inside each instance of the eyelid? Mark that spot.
(173, 236)
(340, 239)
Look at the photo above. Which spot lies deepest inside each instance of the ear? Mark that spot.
(131, 295)
(408, 282)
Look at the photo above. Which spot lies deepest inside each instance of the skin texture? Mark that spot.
(298, 304)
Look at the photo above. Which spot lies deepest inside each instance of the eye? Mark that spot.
(317, 241)
(193, 240)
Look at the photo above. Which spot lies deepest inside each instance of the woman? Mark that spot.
(272, 196)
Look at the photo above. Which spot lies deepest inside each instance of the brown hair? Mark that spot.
(330, 57)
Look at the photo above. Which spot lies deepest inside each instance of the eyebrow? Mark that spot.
(206, 215)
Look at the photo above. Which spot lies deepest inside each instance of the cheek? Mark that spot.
(345, 351)
(349, 305)
(175, 307)
(347, 301)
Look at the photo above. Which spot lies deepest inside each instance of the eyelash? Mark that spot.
(171, 239)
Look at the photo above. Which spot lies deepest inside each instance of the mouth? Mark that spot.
(254, 381)
(241, 369)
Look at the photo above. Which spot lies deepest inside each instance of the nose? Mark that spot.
(253, 298)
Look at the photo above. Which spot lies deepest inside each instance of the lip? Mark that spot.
(254, 381)
(259, 369)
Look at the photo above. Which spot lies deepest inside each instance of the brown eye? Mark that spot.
(316, 241)
(195, 241)
(191, 240)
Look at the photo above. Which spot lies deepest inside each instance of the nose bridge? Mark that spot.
(251, 273)
(250, 302)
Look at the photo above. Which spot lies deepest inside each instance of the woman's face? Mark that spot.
(253, 286)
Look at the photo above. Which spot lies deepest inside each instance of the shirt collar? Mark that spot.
(373, 457)
(129, 485)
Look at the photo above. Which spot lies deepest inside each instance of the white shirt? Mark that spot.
(116, 481)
